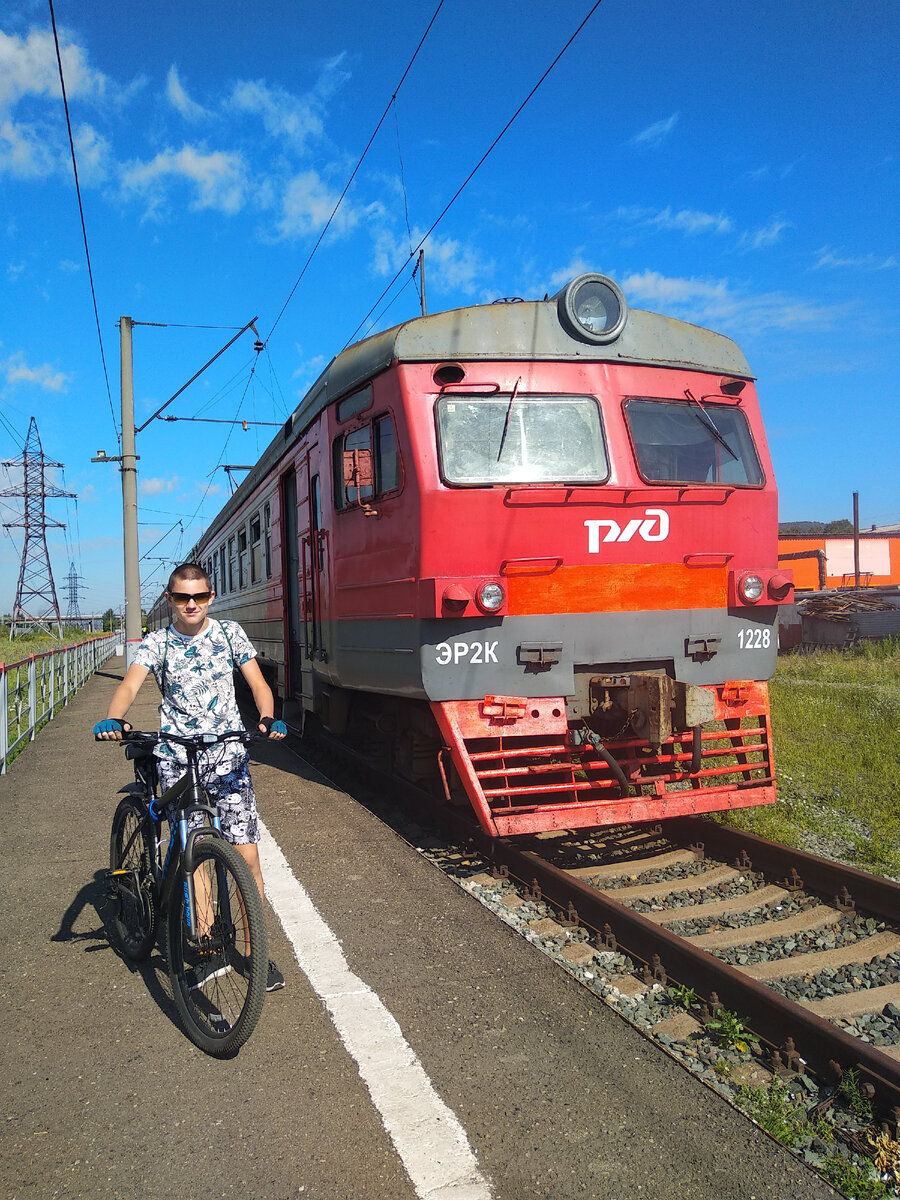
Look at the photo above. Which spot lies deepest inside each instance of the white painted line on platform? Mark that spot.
(430, 1141)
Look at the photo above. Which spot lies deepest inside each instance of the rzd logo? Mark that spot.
(643, 526)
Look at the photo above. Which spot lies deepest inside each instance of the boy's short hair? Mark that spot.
(189, 570)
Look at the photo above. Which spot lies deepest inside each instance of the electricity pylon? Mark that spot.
(73, 581)
(36, 602)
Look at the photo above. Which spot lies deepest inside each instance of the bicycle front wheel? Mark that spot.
(219, 976)
(132, 844)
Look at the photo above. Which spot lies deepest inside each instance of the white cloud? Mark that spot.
(767, 235)
(17, 370)
(449, 264)
(159, 486)
(308, 203)
(715, 304)
(688, 221)
(654, 135)
(283, 115)
(28, 66)
(218, 179)
(180, 100)
(25, 151)
(826, 257)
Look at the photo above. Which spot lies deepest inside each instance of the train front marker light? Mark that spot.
(750, 588)
(490, 597)
(592, 308)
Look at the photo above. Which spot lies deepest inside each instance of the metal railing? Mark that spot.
(32, 691)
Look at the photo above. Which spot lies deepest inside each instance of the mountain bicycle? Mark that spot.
(199, 884)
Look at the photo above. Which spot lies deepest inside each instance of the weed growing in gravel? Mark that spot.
(684, 997)
(857, 1101)
(728, 1029)
(854, 1181)
(776, 1111)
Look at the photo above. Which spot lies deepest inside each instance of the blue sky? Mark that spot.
(732, 164)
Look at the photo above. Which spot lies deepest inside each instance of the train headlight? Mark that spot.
(592, 308)
(750, 588)
(490, 597)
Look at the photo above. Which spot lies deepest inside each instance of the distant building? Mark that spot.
(828, 561)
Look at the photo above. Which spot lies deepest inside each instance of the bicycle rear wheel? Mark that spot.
(219, 987)
(132, 843)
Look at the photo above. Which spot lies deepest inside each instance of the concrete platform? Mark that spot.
(103, 1095)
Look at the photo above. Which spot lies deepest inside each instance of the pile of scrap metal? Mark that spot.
(839, 619)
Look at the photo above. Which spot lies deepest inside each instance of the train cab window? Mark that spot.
(256, 548)
(366, 463)
(520, 439)
(684, 442)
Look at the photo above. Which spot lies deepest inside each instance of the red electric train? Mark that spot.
(525, 555)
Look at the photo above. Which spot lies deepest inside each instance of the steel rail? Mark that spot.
(827, 1050)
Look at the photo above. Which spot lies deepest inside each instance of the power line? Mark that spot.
(353, 173)
(472, 173)
(87, 252)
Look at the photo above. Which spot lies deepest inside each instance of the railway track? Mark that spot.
(729, 917)
(735, 918)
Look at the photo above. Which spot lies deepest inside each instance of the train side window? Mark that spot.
(256, 548)
(365, 463)
(683, 442)
(387, 459)
(222, 567)
(267, 538)
(242, 557)
(232, 563)
(356, 402)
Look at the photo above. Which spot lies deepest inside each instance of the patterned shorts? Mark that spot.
(232, 794)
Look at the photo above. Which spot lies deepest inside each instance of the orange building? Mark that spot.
(829, 561)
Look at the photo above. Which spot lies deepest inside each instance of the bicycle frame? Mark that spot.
(179, 858)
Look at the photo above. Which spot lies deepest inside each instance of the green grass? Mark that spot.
(38, 643)
(836, 728)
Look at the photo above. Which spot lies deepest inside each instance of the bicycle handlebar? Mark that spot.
(199, 741)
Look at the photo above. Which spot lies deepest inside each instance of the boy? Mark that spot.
(193, 661)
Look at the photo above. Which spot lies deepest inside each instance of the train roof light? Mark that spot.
(592, 308)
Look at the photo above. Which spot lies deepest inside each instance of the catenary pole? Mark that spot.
(129, 497)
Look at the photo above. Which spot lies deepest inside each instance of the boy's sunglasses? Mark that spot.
(185, 597)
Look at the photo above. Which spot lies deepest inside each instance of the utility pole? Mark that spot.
(129, 459)
(36, 602)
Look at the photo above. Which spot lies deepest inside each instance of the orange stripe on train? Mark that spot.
(631, 587)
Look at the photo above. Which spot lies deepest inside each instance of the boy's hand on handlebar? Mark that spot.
(110, 730)
(272, 728)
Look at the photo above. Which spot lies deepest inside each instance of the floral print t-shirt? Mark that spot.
(195, 677)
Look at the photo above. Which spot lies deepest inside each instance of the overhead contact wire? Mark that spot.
(353, 174)
(473, 172)
(87, 252)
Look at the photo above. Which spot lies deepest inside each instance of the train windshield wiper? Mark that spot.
(707, 420)
(509, 409)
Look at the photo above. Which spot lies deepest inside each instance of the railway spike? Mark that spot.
(500, 871)
(606, 940)
(572, 914)
(534, 892)
(742, 862)
(792, 1059)
(845, 901)
(655, 972)
(793, 883)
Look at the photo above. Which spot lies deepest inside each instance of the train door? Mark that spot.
(294, 627)
(313, 561)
